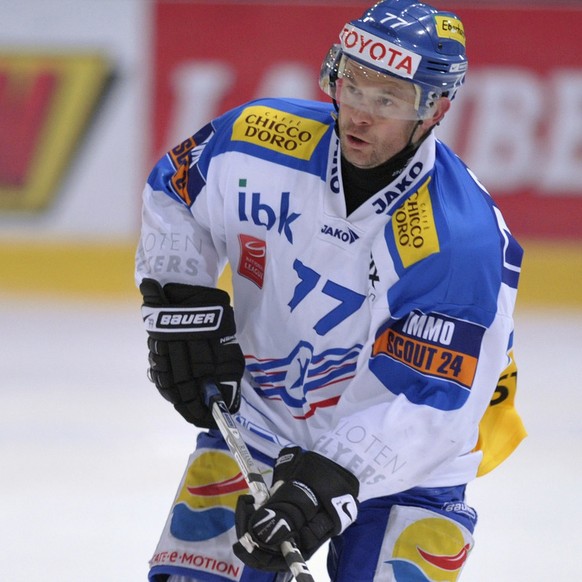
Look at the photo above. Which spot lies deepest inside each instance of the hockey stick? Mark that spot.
(257, 485)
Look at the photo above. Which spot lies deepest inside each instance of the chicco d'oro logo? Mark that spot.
(414, 227)
(278, 131)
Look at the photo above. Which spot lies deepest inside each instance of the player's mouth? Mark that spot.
(356, 141)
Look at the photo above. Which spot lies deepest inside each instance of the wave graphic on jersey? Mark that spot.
(430, 550)
(205, 505)
(304, 380)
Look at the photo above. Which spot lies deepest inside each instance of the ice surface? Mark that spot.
(90, 455)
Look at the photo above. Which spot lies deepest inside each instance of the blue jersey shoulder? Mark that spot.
(449, 244)
(293, 133)
(289, 132)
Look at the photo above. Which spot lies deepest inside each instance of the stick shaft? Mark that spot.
(251, 473)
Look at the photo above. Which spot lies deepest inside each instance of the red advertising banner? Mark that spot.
(517, 121)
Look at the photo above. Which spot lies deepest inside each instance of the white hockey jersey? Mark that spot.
(376, 339)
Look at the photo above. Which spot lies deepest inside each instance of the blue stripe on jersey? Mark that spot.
(511, 250)
(513, 255)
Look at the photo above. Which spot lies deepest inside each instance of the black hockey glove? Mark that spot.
(192, 338)
(312, 500)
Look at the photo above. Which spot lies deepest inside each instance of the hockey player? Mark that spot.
(374, 279)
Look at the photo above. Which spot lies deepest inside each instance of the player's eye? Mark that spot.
(386, 101)
(353, 90)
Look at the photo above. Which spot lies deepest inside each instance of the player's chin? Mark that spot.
(359, 157)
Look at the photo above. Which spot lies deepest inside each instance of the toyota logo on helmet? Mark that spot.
(403, 39)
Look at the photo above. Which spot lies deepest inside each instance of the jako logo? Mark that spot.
(347, 236)
(385, 201)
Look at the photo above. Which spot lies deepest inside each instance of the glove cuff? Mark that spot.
(180, 294)
(336, 488)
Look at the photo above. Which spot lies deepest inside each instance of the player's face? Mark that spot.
(377, 117)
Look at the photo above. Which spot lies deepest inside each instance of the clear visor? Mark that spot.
(377, 94)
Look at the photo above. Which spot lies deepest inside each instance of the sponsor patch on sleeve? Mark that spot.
(278, 131)
(414, 227)
(433, 345)
(184, 182)
(180, 157)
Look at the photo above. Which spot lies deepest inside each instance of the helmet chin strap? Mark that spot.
(411, 146)
(417, 124)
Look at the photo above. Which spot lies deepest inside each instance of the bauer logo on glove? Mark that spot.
(186, 320)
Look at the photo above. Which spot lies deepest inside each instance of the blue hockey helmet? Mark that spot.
(406, 40)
